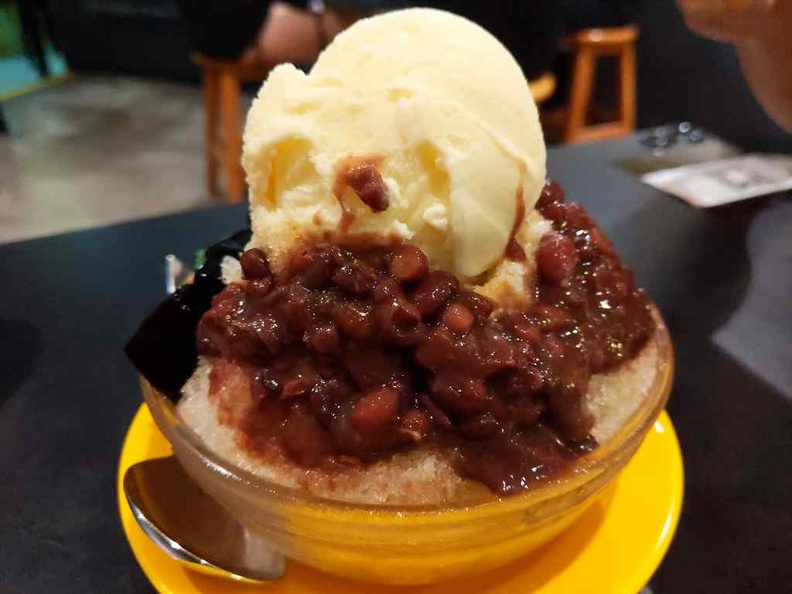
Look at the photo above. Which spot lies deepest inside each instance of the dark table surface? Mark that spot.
(722, 278)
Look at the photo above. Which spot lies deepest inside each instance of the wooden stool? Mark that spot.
(589, 45)
(543, 87)
(223, 122)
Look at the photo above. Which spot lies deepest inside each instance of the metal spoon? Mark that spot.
(191, 526)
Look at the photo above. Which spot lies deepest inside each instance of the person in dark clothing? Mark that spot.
(590, 14)
(232, 29)
(530, 29)
(271, 32)
(223, 29)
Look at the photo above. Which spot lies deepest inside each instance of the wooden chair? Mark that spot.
(589, 46)
(222, 81)
(543, 87)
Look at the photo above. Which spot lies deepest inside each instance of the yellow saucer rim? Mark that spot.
(144, 441)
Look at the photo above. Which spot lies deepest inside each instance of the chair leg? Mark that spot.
(211, 119)
(627, 83)
(580, 95)
(231, 129)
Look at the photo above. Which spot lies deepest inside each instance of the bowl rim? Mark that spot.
(616, 451)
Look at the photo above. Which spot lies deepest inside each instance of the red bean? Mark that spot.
(439, 418)
(461, 394)
(408, 264)
(356, 278)
(437, 351)
(301, 257)
(387, 288)
(592, 244)
(323, 339)
(375, 411)
(553, 318)
(577, 218)
(495, 351)
(434, 291)
(367, 183)
(551, 192)
(259, 287)
(371, 367)
(255, 264)
(356, 320)
(526, 410)
(519, 383)
(298, 381)
(556, 258)
(415, 425)
(480, 426)
(304, 438)
(458, 318)
(478, 304)
(232, 291)
(326, 392)
(526, 330)
(263, 387)
(319, 270)
(399, 320)
(553, 346)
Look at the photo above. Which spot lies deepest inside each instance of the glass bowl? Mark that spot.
(420, 544)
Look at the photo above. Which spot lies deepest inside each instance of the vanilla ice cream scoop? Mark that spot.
(436, 104)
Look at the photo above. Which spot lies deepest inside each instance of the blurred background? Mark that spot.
(112, 110)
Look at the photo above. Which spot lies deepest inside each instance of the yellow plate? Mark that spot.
(615, 547)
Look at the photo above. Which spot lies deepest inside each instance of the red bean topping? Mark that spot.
(478, 304)
(254, 264)
(326, 393)
(553, 346)
(374, 411)
(399, 321)
(259, 287)
(556, 258)
(415, 425)
(352, 355)
(296, 386)
(356, 320)
(480, 426)
(229, 292)
(520, 383)
(551, 193)
(356, 278)
(460, 394)
(458, 318)
(367, 183)
(320, 269)
(387, 288)
(552, 318)
(263, 386)
(433, 292)
(570, 415)
(439, 418)
(371, 367)
(525, 329)
(304, 438)
(526, 409)
(301, 257)
(592, 244)
(408, 264)
(323, 339)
